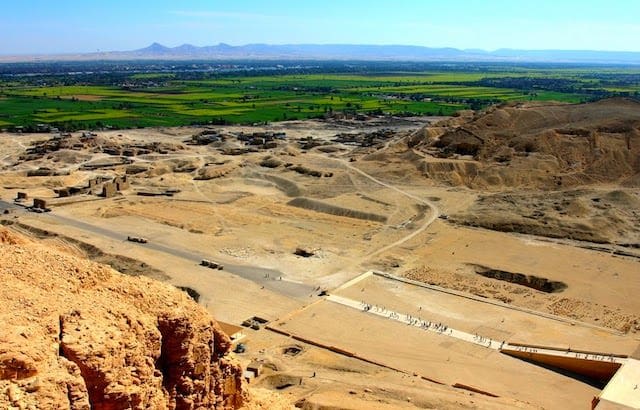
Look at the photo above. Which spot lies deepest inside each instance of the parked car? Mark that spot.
(211, 264)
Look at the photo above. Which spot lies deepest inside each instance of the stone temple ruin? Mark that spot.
(39, 203)
(107, 187)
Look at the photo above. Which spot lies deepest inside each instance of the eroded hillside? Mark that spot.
(79, 335)
(569, 171)
(552, 146)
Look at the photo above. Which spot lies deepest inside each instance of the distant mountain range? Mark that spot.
(344, 52)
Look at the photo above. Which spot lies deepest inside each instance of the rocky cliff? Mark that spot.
(542, 146)
(79, 335)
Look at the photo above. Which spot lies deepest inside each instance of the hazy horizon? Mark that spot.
(141, 47)
(71, 26)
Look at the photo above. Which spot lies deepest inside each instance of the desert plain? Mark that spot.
(389, 261)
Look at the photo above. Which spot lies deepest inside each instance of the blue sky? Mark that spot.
(56, 26)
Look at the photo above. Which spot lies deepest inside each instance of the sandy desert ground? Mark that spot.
(294, 218)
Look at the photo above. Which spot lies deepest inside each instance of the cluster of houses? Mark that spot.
(310, 142)
(37, 128)
(207, 137)
(364, 139)
(255, 141)
(264, 139)
(90, 140)
(261, 139)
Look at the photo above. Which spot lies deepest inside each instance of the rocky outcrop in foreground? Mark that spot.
(79, 335)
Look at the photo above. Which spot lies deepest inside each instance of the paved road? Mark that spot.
(271, 279)
(6, 205)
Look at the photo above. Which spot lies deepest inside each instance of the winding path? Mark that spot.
(433, 214)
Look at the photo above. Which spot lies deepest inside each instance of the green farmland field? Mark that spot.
(169, 99)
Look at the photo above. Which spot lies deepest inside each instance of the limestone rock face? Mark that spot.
(539, 145)
(79, 335)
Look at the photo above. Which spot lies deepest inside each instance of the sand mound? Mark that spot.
(623, 198)
(323, 207)
(451, 172)
(270, 162)
(213, 171)
(289, 188)
(66, 156)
